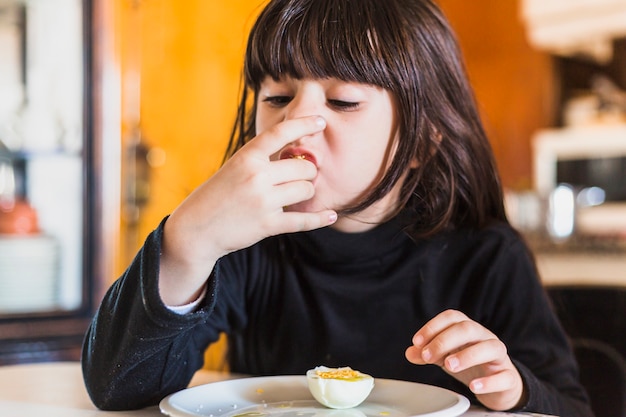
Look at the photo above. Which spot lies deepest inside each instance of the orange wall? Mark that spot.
(189, 54)
(514, 84)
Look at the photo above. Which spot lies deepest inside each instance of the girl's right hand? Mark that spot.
(473, 355)
(238, 206)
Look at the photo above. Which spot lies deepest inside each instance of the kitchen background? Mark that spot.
(112, 112)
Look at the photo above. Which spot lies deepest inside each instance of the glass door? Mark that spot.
(41, 185)
(50, 178)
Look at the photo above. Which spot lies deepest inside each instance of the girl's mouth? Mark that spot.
(294, 153)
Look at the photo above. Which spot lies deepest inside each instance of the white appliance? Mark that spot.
(574, 27)
(590, 162)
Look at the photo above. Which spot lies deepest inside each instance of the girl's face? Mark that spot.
(351, 154)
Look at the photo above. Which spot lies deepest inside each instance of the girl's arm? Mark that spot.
(507, 345)
(136, 350)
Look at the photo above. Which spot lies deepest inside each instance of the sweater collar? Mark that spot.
(332, 246)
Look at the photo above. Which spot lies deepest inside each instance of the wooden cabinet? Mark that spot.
(59, 165)
(514, 83)
(575, 27)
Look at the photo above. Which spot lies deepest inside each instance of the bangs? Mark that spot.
(343, 39)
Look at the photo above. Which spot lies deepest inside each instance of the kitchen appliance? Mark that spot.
(7, 176)
(583, 168)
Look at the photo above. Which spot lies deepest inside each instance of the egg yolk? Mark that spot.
(339, 373)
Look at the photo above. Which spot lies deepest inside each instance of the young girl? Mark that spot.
(358, 222)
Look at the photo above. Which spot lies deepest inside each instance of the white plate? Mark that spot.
(289, 396)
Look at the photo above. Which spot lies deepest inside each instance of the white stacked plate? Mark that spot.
(29, 273)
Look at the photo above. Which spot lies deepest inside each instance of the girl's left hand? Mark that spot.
(473, 355)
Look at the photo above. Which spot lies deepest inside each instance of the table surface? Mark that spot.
(56, 390)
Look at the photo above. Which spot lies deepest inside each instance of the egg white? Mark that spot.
(339, 393)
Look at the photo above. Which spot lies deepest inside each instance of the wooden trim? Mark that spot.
(35, 329)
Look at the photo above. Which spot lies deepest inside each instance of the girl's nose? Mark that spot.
(303, 108)
(304, 103)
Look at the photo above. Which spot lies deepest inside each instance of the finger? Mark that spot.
(275, 138)
(500, 391)
(292, 222)
(414, 355)
(293, 192)
(436, 325)
(497, 382)
(287, 170)
(427, 334)
(453, 339)
(491, 351)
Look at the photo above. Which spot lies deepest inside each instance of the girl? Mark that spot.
(358, 222)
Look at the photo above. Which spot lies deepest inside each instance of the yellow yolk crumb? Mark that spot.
(340, 373)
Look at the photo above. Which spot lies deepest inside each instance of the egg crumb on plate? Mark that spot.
(339, 387)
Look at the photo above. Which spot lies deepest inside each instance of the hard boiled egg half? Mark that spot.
(339, 387)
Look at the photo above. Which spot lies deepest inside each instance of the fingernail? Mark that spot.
(418, 340)
(320, 121)
(332, 218)
(453, 363)
(476, 386)
(426, 355)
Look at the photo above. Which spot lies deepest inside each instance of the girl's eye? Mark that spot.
(277, 101)
(282, 101)
(343, 105)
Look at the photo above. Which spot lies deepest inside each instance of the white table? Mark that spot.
(56, 389)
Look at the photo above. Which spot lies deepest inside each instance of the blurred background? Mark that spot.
(112, 112)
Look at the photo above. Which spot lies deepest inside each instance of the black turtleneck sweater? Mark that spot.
(293, 302)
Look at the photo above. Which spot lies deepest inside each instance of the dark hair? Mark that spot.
(408, 48)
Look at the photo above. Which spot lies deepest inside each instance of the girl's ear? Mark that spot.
(437, 139)
(433, 148)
